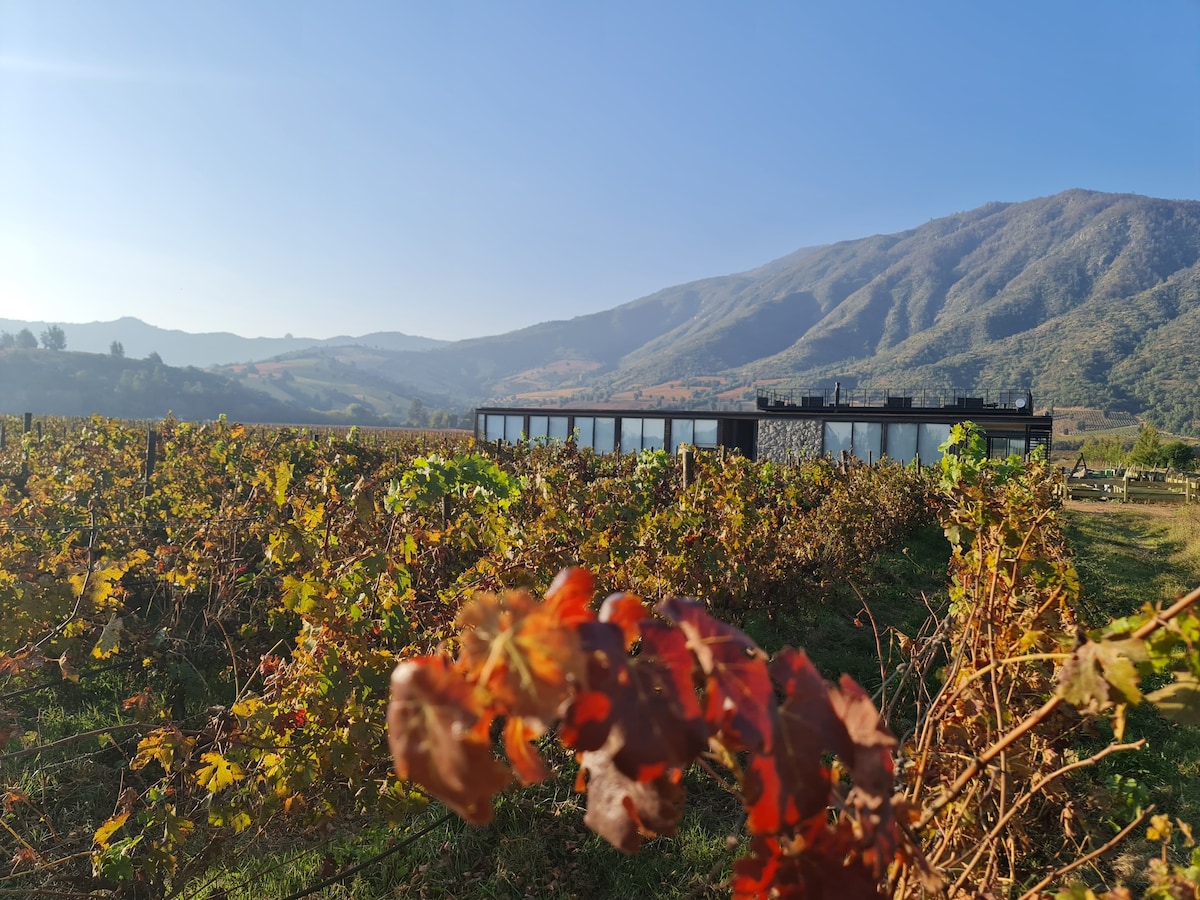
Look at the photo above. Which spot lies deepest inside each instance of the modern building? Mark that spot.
(786, 426)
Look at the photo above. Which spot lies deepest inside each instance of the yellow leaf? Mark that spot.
(247, 707)
(161, 745)
(218, 773)
(283, 477)
(110, 638)
(105, 832)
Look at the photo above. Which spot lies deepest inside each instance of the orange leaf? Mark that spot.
(526, 761)
(569, 597)
(438, 738)
(521, 655)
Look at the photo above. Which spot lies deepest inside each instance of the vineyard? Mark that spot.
(199, 652)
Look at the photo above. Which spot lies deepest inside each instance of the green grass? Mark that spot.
(537, 846)
(1127, 556)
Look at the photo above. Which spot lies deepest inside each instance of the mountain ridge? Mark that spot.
(203, 349)
(1082, 296)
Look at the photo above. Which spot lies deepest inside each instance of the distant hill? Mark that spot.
(67, 383)
(182, 348)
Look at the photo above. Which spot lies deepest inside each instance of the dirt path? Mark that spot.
(1148, 510)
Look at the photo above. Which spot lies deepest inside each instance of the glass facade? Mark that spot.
(514, 428)
(931, 436)
(585, 430)
(642, 434)
(495, 428)
(705, 433)
(868, 441)
(682, 432)
(901, 442)
(839, 436)
(606, 435)
(631, 435)
(539, 427)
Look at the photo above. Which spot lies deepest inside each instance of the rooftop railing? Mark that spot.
(837, 397)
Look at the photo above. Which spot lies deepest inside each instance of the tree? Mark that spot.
(1147, 449)
(153, 357)
(54, 338)
(7, 340)
(116, 350)
(1178, 455)
(417, 415)
(26, 340)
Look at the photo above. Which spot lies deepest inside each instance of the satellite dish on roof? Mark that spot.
(1021, 402)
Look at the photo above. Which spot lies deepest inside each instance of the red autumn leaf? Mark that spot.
(439, 738)
(871, 768)
(627, 612)
(870, 758)
(623, 810)
(569, 598)
(588, 718)
(816, 869)
(525, 760)
(791, 783)
(739, 694)
(520, 653)
(660, 720)
(649, 716)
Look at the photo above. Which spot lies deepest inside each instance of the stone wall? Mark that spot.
(789, 440)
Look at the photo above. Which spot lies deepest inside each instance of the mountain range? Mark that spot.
(1088, 299)
(182, 348)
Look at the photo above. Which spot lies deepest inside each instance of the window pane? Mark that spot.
(557, 428)
(681, 433)
(902, 442)
(495, 428)
(606, 435)
(481, 425)
(1003, 447)
(538, 427)
(705, 433)
(631, 435)
(839, 436)
(931, 436)
(654, 433)
(868, 441)
(585, 427)
(513, 427)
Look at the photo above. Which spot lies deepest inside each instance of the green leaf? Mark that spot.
(1097, 666)
(1180, 700)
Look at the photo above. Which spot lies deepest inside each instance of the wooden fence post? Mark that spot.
(688, 458)
(28, 422)
(151, 458)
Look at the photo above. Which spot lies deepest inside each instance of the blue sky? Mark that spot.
(458, 169)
